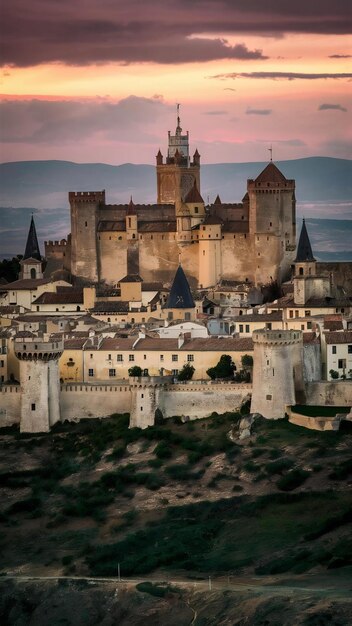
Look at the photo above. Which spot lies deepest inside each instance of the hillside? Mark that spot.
(178, 501)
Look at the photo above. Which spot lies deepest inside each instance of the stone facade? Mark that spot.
(252, 241)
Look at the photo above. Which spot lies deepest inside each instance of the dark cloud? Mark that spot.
(340, 56)
(281, 75)
(332, 107)
(45, 121)
(162, 31)
(250, 111)
(215, 112)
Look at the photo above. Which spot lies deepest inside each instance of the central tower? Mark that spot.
(177, 176)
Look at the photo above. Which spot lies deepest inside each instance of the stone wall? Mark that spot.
(337, 393)
(201, 400)
(10, 405)
(79, 401)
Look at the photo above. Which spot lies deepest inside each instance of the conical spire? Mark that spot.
(32, 246)
(180, 296)
(304, 249)
(217, 200)
(131, 209)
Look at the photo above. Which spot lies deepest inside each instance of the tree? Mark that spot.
(334, 374)
(10, 269)
(135, 370)
(186, 373)
(224, 369)
(247, 361)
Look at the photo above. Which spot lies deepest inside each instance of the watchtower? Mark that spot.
(277, 371)
(40, 383)
(177, 176)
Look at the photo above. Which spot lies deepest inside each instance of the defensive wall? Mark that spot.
(191, 400)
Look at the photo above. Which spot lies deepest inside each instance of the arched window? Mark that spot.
(33, 273)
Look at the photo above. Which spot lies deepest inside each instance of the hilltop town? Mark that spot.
(141, 306)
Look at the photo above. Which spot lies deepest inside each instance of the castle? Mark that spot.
(252, 241)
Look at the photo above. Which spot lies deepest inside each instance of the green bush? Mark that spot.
(153, 589)
(135, 370)
(293, 479)
(163, 450)
(224, 368)
(186, 373)
(279, 466)
(342, 470)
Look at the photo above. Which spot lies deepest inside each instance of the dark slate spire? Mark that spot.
(32, 246)
(180, 296)
(304, 249)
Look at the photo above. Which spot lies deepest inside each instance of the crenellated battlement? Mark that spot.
(96, 197)
(277, 337)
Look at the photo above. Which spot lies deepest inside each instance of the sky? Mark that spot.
(98, 80)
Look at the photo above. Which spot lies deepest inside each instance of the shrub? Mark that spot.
(186, 373)
(163, 450)
(334, 374)
(224, 368)
(153, 589)
(247, 361)
(342, 470)
(135, 370)
(292, 479)
(278, 466)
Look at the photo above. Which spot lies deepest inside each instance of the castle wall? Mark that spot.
(199, 401)
(237, 257)
(112, 249)
(337, 393)
(78, 401)
(10, 405)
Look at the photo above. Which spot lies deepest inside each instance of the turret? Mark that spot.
(131, 220)
(277, 371)
(40, 384)
(84, 226)
(180, 304)
(176, 177)
(306, 283)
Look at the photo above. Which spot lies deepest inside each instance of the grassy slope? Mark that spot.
(180, 497)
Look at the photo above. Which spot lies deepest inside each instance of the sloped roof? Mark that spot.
(194, 195)
(131, 278)
(67, 297)
(32, 246)
(304, 249)
(180, 296)
(339, 337)
(271, 174)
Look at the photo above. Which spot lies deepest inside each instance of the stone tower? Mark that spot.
(84, 221)
(176, 177)
(40, 383)
(272, 224)
(277, 371)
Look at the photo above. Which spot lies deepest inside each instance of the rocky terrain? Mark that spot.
(267, 517)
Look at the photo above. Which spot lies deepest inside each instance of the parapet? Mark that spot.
(37, 349)
(277, 337)
(97, 197)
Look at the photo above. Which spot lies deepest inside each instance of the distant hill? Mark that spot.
(324, 190)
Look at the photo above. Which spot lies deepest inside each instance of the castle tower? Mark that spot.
(146, 398)
(132, 239)
(176, 177)
(84, 223)
(277, 371)
(195, 204)
(40, 382)
(272, 223)
(306, 283)
(210, 251)
(31, 263)
(180, 304)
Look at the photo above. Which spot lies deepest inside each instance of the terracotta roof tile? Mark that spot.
(339, 337)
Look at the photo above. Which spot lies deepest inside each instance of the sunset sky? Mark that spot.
(98, 80)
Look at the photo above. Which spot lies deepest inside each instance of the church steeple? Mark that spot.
(304, 249)
(32, 246)
(178, 143)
